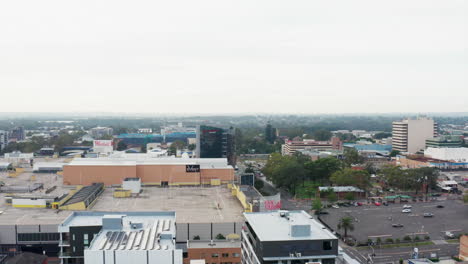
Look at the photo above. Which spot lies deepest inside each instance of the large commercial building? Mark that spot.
(99, 132)
(214, 142)
(291, 146)
(445, 142)
(286, 237)
(151, 171)
(449, 154)
(138, 140)
(410, 135)
(119, 238)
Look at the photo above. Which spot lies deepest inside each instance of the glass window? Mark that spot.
(327, 245)
(214, 255)
(236, 255)
(225, 255)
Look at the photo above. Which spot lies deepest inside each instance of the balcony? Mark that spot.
(64, 244)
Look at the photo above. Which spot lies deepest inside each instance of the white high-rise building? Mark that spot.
(410, 135)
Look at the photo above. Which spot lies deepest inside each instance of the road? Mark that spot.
(390, 255)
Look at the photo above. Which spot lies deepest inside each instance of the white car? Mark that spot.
(406, 211)
(335, 206)
(407, 206)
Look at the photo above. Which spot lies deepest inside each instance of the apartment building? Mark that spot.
(410, 135)
(287, 237)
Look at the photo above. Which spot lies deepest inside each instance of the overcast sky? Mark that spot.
(312, 56)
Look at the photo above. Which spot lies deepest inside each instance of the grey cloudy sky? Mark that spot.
(272, 56)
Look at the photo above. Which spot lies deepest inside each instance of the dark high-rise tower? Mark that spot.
(215, 142)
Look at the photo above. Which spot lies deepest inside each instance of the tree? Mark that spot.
(381, 135)
(351, 156)
(172, 150)
(317, 205)
(220, 237)
(350, 177)
(394, 153)
(121, 146)
(178, 144)
(350, 196)
(346, 223)
(192, 147)
(322, 135)
(331, 196)
(258, 184)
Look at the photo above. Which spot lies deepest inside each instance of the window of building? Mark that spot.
(225, 255)
(74, 249)
(327, 245)
(73, 237)
(85, 239)
(38, 237)
(236, 255)
(185, 255)
(215, 255)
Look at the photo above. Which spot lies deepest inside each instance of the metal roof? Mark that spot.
(341, 189)
(85, 193)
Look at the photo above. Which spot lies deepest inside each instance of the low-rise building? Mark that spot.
(451, 154)
(291, 146)
(445, 142)
(214, 251)
(154, 171)
(343, 191)
(286, 237)
(119, 237)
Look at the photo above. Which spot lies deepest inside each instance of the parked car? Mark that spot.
(440, 206)
(449, 235)
(397, 225)
(323, 212)
(406, 211)
(407, 206)
(377, 204)
(359, 203)
(428, 214)
(335, 206)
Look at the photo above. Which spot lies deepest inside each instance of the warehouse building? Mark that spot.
(160, 172)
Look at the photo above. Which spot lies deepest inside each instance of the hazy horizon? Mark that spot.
(219, 58)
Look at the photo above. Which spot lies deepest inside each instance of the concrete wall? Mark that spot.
(86, 175)
(418, 131)
(206, 231)
(173, 174)
(133, 256)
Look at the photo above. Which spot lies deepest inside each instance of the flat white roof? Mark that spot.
(106, 161)
(271, 226)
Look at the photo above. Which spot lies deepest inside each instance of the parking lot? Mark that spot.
(376, 221)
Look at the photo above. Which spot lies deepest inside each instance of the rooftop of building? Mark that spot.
(192, 204)
(287, 226)
(134, 231)
(214, 244)
(341, 189)
(129, 160)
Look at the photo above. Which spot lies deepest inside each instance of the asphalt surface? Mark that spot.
(393, 255)
(376, 221)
